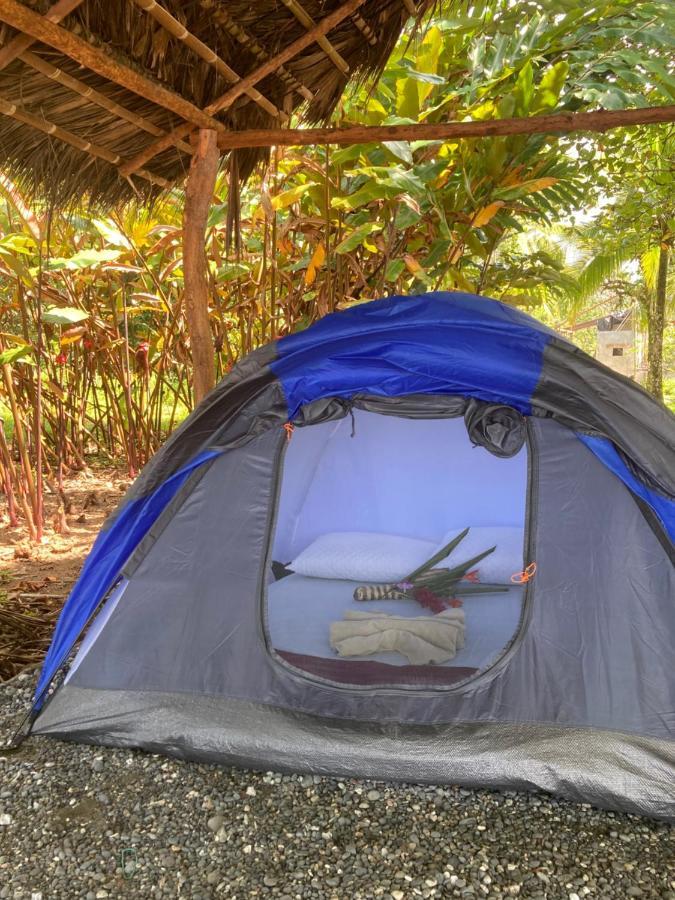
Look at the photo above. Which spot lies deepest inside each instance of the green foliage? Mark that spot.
(325, 228)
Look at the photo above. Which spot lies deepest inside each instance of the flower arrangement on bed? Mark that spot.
(437, 584)
(435, 588)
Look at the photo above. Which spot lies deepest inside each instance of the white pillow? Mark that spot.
(362, 556)
(500, 565)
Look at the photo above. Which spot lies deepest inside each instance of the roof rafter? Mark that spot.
(598, 121)
(365, 29)
(181, 33)
(92, 95)
(50, 128)
(40, 28)
(268, 68)
(23, 41)
(223, 18)
(308, 22)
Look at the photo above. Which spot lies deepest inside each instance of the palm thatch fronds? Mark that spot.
(44, 82)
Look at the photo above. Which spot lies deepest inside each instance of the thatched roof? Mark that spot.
(71, 129)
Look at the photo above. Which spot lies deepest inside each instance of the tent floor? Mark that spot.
(610, 769)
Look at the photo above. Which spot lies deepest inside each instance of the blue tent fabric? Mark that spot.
(436, 343)
(606, 452)
(112, 548)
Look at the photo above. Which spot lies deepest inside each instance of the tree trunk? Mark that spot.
(656, 326)
(198, 193)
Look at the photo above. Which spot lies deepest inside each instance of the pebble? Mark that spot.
(150, 827)
(215, 823)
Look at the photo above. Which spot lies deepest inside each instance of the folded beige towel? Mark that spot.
(421, 639)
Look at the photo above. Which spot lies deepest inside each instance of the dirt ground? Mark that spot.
(36, 579)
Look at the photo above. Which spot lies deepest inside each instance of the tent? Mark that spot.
(216, 594)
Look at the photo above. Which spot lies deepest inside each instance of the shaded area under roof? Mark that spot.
(69, 130)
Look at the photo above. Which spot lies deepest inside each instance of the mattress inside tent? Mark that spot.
(300, 611)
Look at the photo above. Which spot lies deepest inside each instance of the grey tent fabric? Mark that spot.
(574, 664)
(581, 698)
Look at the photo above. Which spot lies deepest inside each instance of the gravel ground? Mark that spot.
(86, 822)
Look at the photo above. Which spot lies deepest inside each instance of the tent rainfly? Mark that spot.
(290, 583)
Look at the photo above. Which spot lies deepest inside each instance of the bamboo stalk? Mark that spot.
(365, 29)
(598, 121)
(92, 95)
(181, 33)
(40, 28)
(46, 127)
(222, 17)
(308, 22)
(227, 99)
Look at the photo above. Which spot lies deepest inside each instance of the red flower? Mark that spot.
(429, 600)
(62, 358)
(472, 576)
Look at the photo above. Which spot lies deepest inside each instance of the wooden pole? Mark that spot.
(180, 32)
(601, 120)
(199, 188)
(308, 22)
(41, 29)
(228, 98)
(22, 42)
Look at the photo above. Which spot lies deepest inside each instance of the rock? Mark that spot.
(299, 837)
(215, 823)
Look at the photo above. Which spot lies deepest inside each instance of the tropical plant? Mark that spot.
(93, 343)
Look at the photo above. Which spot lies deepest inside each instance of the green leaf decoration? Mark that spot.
(437, 557)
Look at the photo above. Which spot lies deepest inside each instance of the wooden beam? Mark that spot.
(222, 18)
(181, 33)
(263, 71)
(601, 120)
(93, 96)
(41, 29)
(23, 41)
(50, 128)
(308, 22)
(199, 188)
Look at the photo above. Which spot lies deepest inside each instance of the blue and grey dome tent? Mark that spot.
(412, 418)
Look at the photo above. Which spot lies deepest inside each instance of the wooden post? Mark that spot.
(198, 193)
